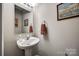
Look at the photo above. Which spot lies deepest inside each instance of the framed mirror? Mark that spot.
(21, 20)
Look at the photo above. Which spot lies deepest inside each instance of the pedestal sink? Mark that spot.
(27, 44)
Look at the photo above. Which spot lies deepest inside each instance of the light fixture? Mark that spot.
(30, 4)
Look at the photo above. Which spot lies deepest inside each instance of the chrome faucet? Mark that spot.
(28, 36)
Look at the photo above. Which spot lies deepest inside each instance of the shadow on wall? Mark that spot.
(46, 37)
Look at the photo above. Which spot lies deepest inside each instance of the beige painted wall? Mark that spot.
(62, 35)
(8, 25)
(0, 29)
(8, 16)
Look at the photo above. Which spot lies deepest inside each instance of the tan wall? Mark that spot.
(61, 34)
(8, 16)
(0, 29)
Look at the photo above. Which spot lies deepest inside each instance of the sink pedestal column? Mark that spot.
(28, 52)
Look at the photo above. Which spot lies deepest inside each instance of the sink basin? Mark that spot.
(24, 43)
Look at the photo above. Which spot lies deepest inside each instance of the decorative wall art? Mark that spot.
(67, 10)
(26, 22)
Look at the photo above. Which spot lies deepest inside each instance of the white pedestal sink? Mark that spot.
(27, 44)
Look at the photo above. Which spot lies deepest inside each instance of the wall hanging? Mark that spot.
(67, 10)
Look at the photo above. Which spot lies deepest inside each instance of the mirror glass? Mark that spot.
(21, 20)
